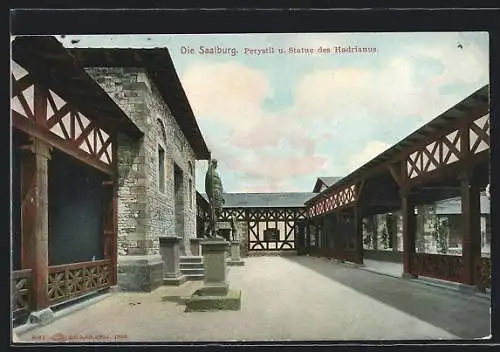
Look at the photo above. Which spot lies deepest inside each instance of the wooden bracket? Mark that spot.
(395, 174)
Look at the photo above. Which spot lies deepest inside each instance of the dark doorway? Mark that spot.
(179, 205)
(18, 139)
(75, 211)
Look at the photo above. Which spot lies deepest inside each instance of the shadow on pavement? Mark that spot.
(462, 315)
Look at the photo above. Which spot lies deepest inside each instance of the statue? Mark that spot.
(233, 229)
(214, 190)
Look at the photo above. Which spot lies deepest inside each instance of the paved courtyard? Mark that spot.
(283, 298)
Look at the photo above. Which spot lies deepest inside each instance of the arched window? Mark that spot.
(191, 186)
(161, 155)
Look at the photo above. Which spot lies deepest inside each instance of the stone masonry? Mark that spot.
(147, 210)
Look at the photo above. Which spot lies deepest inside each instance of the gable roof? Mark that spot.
(161, 70)
(53, 66)
(325, 181)
(478, 99)
(265, 200)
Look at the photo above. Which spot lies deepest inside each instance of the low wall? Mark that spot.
(385, 256)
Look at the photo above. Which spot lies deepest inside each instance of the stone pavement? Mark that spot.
(386, 268)
(283, 299)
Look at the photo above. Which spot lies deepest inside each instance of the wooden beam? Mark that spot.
(35, 219)
(409, 229)
(359, 190)
(471, 226)
(33, 130)
(358, 228)
(396, 175)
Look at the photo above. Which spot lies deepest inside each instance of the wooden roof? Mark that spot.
(265, 200)
(457, 112)
(160, 69)
(327, 181)
(54, 67)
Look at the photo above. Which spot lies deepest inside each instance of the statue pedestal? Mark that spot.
(215, 293)
(169, 251)
(235, 259)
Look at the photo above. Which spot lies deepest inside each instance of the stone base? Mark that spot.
(408, 276)
(468, 288)
(202, 303)
(140, 273)
(213, 290)
(174, 281)
(41, 317)
(235, 263)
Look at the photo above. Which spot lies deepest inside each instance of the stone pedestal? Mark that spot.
(139, 273)
(169, 251)
(235, 258)
(215, 293)
(196, 246)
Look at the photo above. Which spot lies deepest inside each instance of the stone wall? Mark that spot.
(146, 210)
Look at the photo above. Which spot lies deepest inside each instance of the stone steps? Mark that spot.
(190, 259)
(192, 267)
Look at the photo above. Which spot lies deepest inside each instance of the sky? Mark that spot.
(276, 121)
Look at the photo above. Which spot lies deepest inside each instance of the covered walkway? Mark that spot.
(283, 298)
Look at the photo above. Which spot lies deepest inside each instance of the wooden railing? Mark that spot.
(444, 267)
(21, 293)
(73, 280)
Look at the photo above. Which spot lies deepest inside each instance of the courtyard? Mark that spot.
(284, 298)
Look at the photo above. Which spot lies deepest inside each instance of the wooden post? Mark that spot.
(471, 226)
(408, 213)
(35, 218)
(358, 228)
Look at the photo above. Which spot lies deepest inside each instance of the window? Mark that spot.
(271, 235)
(191, 193)
(161, 168)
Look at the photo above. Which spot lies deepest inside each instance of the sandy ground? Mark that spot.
(283, 299)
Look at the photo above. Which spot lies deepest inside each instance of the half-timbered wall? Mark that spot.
(264, 223)
(55, 198)
(460, 144)
(335, 199)
(40, 112)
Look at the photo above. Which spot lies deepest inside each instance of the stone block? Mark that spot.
(174, 281)
(42, 317)
(140, 273)
(408, 276)
(169, 251)
(231, 262)
(214, 260)
(202, 303)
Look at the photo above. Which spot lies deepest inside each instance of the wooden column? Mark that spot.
(471, 226)
(408, 213)
(358, 228)
(35, 218)
(109, 228)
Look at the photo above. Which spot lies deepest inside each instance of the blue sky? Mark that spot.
(277, 121)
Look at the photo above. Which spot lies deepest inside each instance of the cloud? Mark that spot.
(395, 89)
(370, 151)
(227, 92)
(266, 148)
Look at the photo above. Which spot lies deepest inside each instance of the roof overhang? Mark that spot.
(160, 69)
(54, 67)
(456, 113)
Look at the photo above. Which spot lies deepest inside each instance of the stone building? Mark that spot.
(156, 173)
